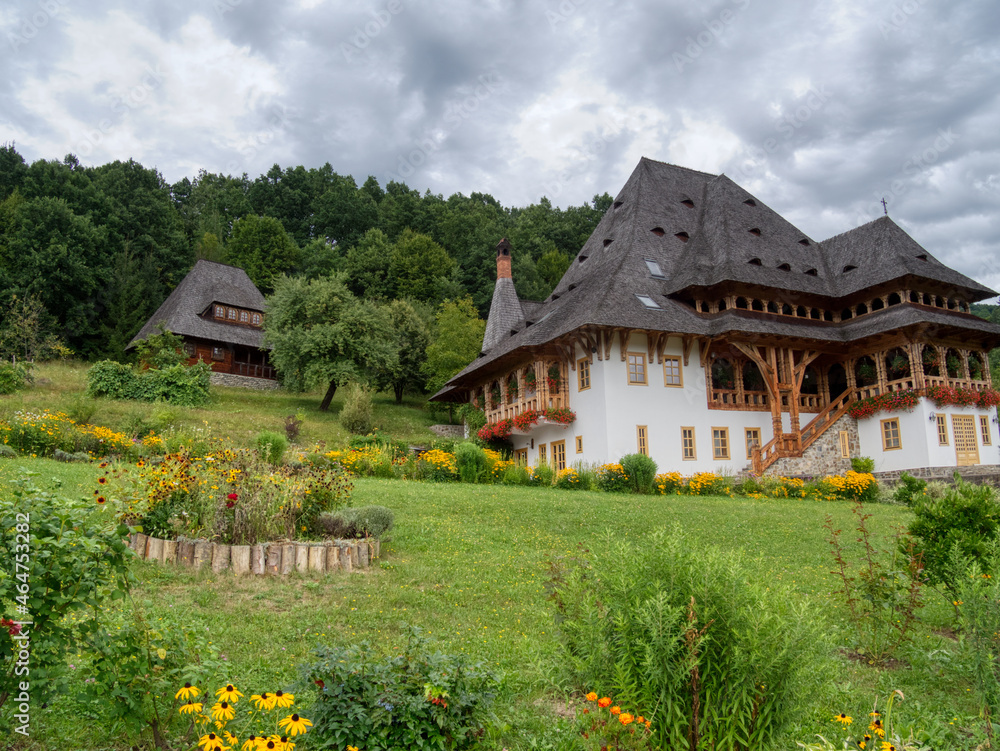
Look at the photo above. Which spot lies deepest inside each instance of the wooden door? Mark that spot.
(966, 445)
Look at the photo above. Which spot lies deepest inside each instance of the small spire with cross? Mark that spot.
(885, 206)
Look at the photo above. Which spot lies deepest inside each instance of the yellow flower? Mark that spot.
(352, 748)
(222, 712)
(263, 701)
(250, 744)
(230, 738)
(211, 742)
(187, 692)
(293, 724)
(843, 719)
(625, 718)
(591, 696)
(280, 699)
(229, 694)
(190, 707)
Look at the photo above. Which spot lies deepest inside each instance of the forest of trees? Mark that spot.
(89, 253)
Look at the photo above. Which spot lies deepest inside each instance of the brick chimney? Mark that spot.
(503, 259)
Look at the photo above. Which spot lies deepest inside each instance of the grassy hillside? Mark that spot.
(236, 414)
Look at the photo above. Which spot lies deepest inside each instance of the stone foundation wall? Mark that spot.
(243, 382)
(449, 431)
(980, 474)
(824, 456)
(274, 558)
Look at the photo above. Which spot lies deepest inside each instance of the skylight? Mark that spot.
(812, 272)
(648, 301)
(654, 269)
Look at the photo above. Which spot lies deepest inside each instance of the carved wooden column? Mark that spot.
(916, 365)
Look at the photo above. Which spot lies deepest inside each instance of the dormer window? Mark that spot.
(922, 257)
(618, 204)
(755, 262)
(220, 311)
(244, 317)
(581, 258)
(255, 319)
(812, 272)
(784, 267)
(232, 314)
(683, 236)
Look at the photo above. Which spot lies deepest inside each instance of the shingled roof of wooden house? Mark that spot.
(703, 230)
(207, 283)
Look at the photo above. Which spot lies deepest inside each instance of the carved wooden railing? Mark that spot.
(794, 444)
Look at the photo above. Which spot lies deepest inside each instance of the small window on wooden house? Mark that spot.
(815, 314)
(915, 297)
(784, 267)
(757, 305)
(218, 353)
(772, 307)
(862, 309)
(705, 308)
(755, 231)
(244, 317)
(220, 312)
(786, 310)
(741, 302)
(846, 314)
(683, 236)
(256, 319)
(688, 202)
(721, 305)
(895, 299)
(755, 262)
(189, 349)
(828, 315)
(877, 304)
(232, 314)
(801, 312)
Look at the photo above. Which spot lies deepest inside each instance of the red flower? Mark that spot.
(320, 683)
(230, 504)
(232, 496)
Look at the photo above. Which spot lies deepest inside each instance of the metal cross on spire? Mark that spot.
(885, 207)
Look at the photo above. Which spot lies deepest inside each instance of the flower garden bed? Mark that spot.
(262, 559)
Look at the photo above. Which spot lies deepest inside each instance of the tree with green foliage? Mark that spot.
(419, 267)
(458, 339)
(164, 349)
(367, 266)
(410, 337)
(25, 331)
(261, 247)
(322, 335)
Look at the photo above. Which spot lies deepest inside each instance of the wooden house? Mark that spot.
(219, 313)
(698, 326)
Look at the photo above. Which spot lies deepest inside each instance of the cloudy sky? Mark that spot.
(820, 108)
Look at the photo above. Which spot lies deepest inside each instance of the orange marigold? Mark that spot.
(616, 710)
(625, 718)
(604, 702)
(591, 696)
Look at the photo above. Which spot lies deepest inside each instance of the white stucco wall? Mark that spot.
(920, 446)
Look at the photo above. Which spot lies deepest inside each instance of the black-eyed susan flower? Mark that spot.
(281, 699)
(102, 480)
(843, 719)
(228, 693)
(251, 743)
(222, 711)
(187, 691)
(230, 738)
(101, 500)
(293, 724)
(211, 742)
(261, 701)
(191, 707)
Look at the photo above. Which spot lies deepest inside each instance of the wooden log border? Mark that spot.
(263, 559)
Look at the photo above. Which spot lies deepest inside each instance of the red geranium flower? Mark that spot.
(232, 496)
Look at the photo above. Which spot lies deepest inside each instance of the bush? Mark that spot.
(14, 377)
(640, 471)
(6, 452)
(611, 478)
(179, 384)
(543, 475)
(356, 414)
(967, 516)
(908, 489)
(979, 595)
(515, 474)
(271, 446)
(82, 410)
(472, 463)
(695, 634)
(569, 479)
(416, 699)
(863, 464)
(367, 521)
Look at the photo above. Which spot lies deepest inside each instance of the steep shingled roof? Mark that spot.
(699, 230)
(208, 282)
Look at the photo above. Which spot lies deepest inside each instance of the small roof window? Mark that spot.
(607, 241)
(688, 202)
(784, 267)
(750, 202)
(755, 262)
(803, 241)
(754, 231)
(618, 204)
(812, 272)
(849, 267)
(658, 231)
(581, 258)
(683, 236)
(648, 301)
(922, 257)
(654, 269)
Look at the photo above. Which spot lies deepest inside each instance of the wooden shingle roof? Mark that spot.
(701, 230)
(207, 283)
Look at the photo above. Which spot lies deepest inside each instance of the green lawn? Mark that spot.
(233, 413)
(468, 564)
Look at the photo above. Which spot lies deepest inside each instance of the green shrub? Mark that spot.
(543, 475)
(662, 622)
(111, 379)
(414, 699)
(473, 417)
(863, 464)
(967, 516)
(569, 479)
(472, 464)
(979, 595)
(82, 410)
(271, 446)
(6, 452)
(640, 471)
(611, 478)
(908, 489)
(367, 521)
(14, 377)
(356, 414)
(179, 384)
(516, 474)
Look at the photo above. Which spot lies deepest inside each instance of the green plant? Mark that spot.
(515, 475)
(473, 416)
(293, 425)
(882, 596)
(908, 489)
(543, 475)
(967, 516)
(356, 414)
(415, 699)
(611, 478)
(14, 377)
(367, 521)
(863, 464)
(82, 410)
(164, 349)
(471, 462)
(978, 593)
(68, 560)
(271, 446)
(696, 635)
(640, 471)
(178, 384)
